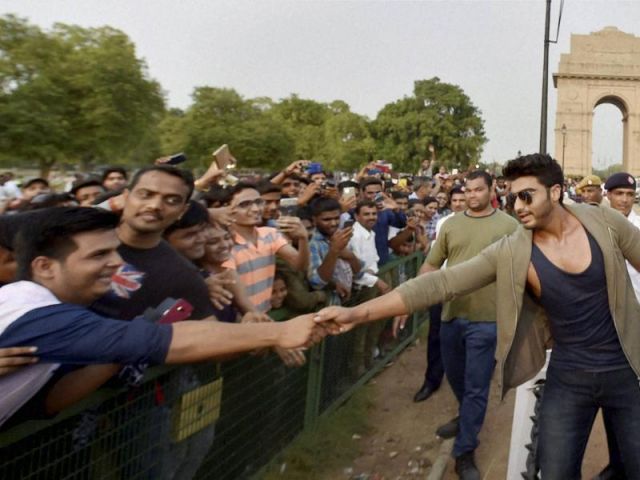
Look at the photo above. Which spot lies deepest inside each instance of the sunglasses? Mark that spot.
(524, 196)
(246, 204)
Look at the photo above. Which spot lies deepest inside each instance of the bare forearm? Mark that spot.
(328, 265)
(388, 305)
(303, 254)
(196, 341)
(396, 242)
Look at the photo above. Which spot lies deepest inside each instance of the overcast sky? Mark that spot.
(367, 53)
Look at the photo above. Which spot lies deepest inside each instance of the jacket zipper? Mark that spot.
(615, 325)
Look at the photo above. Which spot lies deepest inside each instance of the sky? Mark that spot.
(367, 53)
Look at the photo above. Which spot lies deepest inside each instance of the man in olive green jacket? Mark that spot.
(593, 368)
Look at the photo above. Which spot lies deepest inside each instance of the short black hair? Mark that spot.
(542, 166)
(547, 170)
(365, 203)
(397, 194)
(370, 181)
(488, 179)
(456, 191)
(196, 214)
(184, 175)
(428, 200)
(108, 170)
(266, 187)
(51, 234)
(324, 204)
(87, 182)
(238, 187)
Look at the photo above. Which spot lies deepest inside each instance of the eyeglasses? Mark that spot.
(524, 195)
(246, 204)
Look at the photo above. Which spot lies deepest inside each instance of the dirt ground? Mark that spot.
(403, 445)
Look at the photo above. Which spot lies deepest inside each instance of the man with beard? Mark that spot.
(560, 279)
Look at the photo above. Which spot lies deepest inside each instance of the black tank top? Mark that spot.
(578, 309)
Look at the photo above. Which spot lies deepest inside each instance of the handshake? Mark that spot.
(309, 329)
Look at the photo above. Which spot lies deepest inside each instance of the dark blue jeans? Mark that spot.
(570, 403)
(435, 370)
(468, 350)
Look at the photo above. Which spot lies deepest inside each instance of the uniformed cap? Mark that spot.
(588, 181)
(620, 180)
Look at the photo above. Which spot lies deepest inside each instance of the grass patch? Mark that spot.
(328, 447)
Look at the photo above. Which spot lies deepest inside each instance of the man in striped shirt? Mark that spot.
(255, 248)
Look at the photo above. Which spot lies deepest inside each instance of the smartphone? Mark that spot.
(223, 158)
(288, 206)
(177, 159)
(180, 310)
(349, 191)
(348, 224)
(379, 198)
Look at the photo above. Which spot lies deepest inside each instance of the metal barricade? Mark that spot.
(205, 421)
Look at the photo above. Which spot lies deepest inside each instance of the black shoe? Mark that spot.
(466, 467)
(425, 392)
(449, 429)
(609, 473)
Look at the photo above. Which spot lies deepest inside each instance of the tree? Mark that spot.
(217, 116)
(438, 113)
(304, 120)
(348, 142)
(76, 94)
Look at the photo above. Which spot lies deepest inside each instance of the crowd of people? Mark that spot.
(211, 257)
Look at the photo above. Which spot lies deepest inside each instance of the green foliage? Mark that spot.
(80, 95)
(76, 94)
(217, 116)
(438, 113)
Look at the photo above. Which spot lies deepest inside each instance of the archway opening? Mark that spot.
(607, 149)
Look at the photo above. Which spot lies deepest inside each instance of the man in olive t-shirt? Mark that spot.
(468, 330)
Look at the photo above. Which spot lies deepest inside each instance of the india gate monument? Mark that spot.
(603, 67)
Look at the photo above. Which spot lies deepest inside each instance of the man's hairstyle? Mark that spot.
(304, 213)
(365, 203)
(414, 201)
(110, 170)
(428, 200)
(543, 167)
(266, 187)
(196, 214)
(396, 195)
(183, 175)
(51, 235)
(370, 181)
(324, 204)
(456, 191)
(238, 187)
(87, 182)
(488, 179)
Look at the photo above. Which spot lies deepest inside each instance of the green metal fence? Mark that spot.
(206, 421)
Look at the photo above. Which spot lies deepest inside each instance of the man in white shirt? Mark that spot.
(621, 192)
(366, 284)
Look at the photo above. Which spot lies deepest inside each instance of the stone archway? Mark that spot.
(603, 67)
